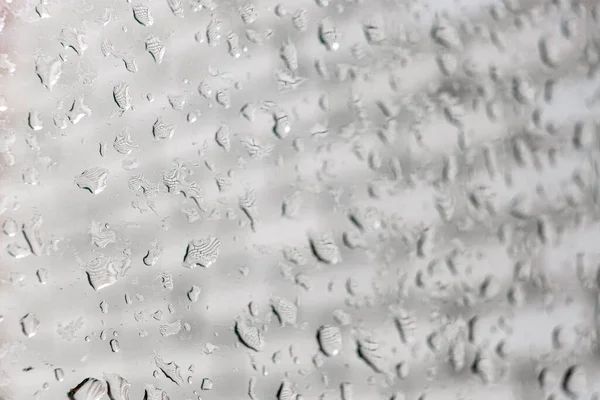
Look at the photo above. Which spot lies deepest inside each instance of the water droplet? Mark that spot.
(103, 271)
(444, 34)
(30, 324)
(249, 335)
(575, 381)
(114, 346)
(286, 391)
(207, 384)
(93, 179)
(213, 31)
(155, 393)
(10, 227)
(233, 44)
(248, 13)
(142, 14)
(35, 120)
(59, 374)
(286, 311)
(329, 35)
(223, 98)
(155, 47)
(300, 19)
(42, 275)
(222, 137)
(194, 293)
(122, 96)
(202, 251)
(171, 370)
(162, 130)
(73, 38)
(324, 247)
(118, 387)
(176, 7)
(89, 389)
(289, 55)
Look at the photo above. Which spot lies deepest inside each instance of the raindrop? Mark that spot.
(575, 381)
(286, 311)
(156, 48)
(213, 31)
(324, 247)
(35, 120)
(207, 384)
(89, 389)
(142, 14)
(114, 346)
(162, 130)
(59, 374)
(118, 387)
(92, 179)
(176, 7)
(194, 293)
(329, 35)
(300, 20)
(330, 340)
(202, 251)
(29, 325)
(171, 370)
(122, 96)
(289, 55)
(249, 335)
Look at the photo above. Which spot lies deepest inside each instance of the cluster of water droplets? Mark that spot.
(388, 188)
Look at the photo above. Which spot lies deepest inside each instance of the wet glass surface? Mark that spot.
(304, 199)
